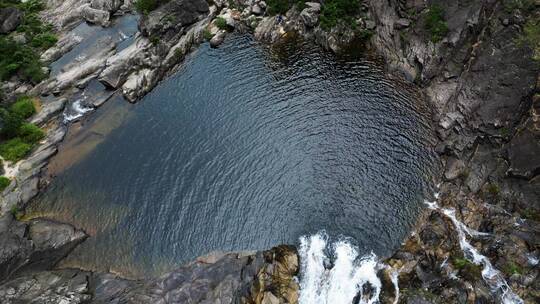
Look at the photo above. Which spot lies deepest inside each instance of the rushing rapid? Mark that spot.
(346, 280)
(244, 148)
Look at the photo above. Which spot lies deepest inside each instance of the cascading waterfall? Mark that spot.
(76, 111)
(348, 278)
(490, 274)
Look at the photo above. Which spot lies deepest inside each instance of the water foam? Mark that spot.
(77, 111)
(347, 279)
(490, 274)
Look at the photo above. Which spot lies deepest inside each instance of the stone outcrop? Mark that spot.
(257, 277)
(35, 245)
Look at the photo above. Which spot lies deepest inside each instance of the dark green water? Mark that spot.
(243, 149)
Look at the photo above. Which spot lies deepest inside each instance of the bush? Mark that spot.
(146, 6)
(30, 134)
(14, 149)
(10, 123)
(4, 182)
(278, 6)
(21, 60)
(24, 107)
(531, 37)
(207, 35)
(334, 11)
(512, 268)
(44, 41)
(435, 23)
(468, 270)
(221, 23)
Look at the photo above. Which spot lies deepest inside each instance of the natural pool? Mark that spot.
(244, 148)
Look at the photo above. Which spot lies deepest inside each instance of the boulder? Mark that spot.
(37, 245)
(454, 168)
(10, 18)
(170, 18)
(96, 16)
(402, 23)
(48, 111)
(106, 5)
(218, 38)
(310, 15)
(256, 9)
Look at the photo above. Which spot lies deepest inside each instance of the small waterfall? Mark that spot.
(491, 276)
(76, 111)
(349, 278)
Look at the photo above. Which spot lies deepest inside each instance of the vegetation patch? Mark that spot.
(435, 23)
(467, 269)
(221, 23)
(511, 5)
(276, 7)
(335, 11)
(493, 189)
(4, 182)
(20, 57)
(19, 136)
(146, 6)
(511, 268)
(24, 107)
(531, 37)
(207, 35)
(30, 133)
(14, 149)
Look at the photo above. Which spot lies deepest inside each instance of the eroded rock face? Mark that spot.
(64, 286)
(35, 245)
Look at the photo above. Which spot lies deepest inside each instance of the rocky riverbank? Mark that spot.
(479, 74)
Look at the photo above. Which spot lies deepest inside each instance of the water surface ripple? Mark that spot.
(245, 148)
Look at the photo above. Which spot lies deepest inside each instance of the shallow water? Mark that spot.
(242, 149)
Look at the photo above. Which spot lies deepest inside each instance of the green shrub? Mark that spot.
(493, 189)
(275, 7)
(24, 107)
(531, 37)
(467, 269)
(510, 5)
(21, 60)
(44, 41)
(512, 268)
(334, 11)
(221, 23)
(30, 133)
(4, 182)
(207, 35)
(14, 149)
(146, 6)
(435, 23)
(10, 123)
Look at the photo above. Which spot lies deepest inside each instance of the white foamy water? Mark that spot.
(490, 274)
(348, 277)
(77, 110)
